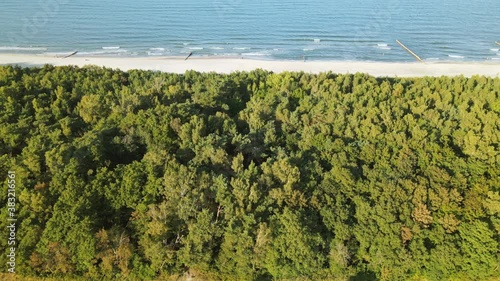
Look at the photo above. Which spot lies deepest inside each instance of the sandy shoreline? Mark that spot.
(228, 65)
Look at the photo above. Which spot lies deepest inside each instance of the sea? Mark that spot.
(341, 30)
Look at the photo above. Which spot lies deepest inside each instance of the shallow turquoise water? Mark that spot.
(450, 30)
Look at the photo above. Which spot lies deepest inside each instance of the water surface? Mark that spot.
(450, 30)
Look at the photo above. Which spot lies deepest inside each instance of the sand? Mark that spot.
(228, 65)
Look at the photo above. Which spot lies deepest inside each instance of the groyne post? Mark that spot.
(409, 51)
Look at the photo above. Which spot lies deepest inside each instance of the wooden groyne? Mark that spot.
(409, 51)
(72, 54)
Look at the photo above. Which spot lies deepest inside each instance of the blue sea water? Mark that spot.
(366, 30)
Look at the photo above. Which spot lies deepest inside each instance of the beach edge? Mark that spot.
(235, 64)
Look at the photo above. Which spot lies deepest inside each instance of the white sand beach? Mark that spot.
(228, 65)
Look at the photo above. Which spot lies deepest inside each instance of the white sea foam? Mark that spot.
(383, 46)
(195, 48)
(216, 48)
(228, 54)
(155, 53)
(241, 48)
(494, 50)
(111, 48)
(255, 54)
(105, 52)
(456, 56)
(7, 48)
(307, 50)
(157, 49)
(185, 44)
(317, 40)
(495, 58)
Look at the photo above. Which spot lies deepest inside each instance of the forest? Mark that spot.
(144, 175)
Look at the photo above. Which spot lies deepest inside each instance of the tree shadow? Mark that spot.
(364, 276)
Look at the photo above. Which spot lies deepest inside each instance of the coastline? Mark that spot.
(232, 64)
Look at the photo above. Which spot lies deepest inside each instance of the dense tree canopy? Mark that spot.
(251, 176)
